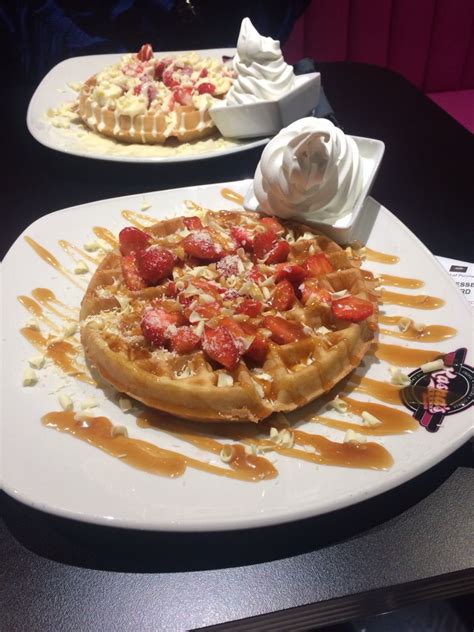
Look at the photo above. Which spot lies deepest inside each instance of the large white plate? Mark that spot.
(53, 91)
(62, 475)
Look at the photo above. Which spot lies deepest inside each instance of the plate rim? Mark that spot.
(245, 522)
(147, 160)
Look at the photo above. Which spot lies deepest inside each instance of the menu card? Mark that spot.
(462, 274)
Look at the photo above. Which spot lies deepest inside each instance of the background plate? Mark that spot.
(56, 473)
(53, 91)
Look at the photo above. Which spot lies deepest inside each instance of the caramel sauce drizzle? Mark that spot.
(52, 261)
(34, 308)
(430, 333)
(419, 301)
(384, 391)
(61, 352)
(48, 299)
(397, 281)
(73, 250)
(137, 219)
(379, 257)
(368, 455)
(232, 196)
(393, 421)
(146, 456)
(403, 356)
(106, 235)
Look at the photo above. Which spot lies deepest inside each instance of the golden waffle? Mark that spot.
(194, 385)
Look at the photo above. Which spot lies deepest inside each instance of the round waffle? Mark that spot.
(226, 317)
(148, 100)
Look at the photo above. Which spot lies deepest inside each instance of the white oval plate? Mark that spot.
(59, 474)
(53, 91)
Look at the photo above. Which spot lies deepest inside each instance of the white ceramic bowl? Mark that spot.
(266, 118)
(371, 152)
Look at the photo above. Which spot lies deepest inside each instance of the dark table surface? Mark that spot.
(409, 544)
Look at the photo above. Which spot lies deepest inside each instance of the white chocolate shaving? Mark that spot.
(435, 365)
(91, 246)
(90, 402)
(65, 402)
(29, 377)
(81, 267)
(227, 454)
(124, 404)
(224, 379)
(398, 377)
(119, 431)
(354, 437)
(370, 420)
(36, 362)
(404, 324)
(338, 404)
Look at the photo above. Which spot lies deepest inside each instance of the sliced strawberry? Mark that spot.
(352, 308)
(160, 67)
(137, 89)
(263, 243)
(192, 223)
(132, 239)
(183, 95)
(170, 289)
(283, 331)
(278, 253)
(133, 70)
(283, 296)
(201, 245)
(259, 346)
(203, 73)
(205, 310)
(249, 307)
(318, 264)
(255, 275)
(150, 92)
(206, 88)
(220, 345)
(155, 264)
(209, 287)
(272, 224)
(145, 53)
(229, 265)
(130, 273)
(183, 340)
(155, 323)
(168, 79)
(310, 288)
(294, 273)
(241, 237)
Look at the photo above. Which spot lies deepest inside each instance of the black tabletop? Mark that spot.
(408, 544)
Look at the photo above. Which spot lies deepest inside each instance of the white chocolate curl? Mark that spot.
(310, 170)
(262, 73)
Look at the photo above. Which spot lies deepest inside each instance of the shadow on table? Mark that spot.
(113, 549)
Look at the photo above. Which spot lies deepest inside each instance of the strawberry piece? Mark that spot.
(206, 88)
(201, 246)
(145, 53)
(255, 275)
(170, 289)
(168, 79)
(192, 223)
(278, 253)
(154, 325)
(209, 287)
(310, 288)
(318, 264)
(205, 311)
(132, 239)
(150, 93)
(130, 273)
(155, 264)
(203, 72)
(220, 345)
(183, 340)
(294, 273)
(263, 243)
(137, 90)
(183, 95)
(241, 237)
(283, 296)
(249, 307)
(352, 308)
(272, 224)
(258, 349)
(283, 331)
(133, 70)
(228, 265)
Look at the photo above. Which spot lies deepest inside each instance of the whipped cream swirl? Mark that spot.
(262, 73)
(312, 170)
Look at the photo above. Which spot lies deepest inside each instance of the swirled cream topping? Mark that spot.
(310, 169)
(262, 73)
